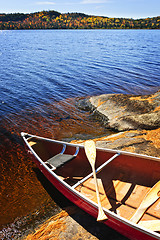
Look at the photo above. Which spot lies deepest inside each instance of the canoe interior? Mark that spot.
(123, 183)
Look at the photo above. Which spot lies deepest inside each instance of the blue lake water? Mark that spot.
(42, 73)
(40, 66)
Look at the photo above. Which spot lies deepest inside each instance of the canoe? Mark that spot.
(127, 184)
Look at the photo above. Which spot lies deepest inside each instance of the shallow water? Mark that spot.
(43, 73)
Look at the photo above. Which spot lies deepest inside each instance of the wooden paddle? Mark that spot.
(90, 151)
(153, 225)
(151, 197)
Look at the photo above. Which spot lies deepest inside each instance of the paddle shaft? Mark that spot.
(151, 197)
(90, 150)
(101, 214)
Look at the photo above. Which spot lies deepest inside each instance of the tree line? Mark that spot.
(56, 20)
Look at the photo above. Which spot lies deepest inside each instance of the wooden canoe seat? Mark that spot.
(61, 158)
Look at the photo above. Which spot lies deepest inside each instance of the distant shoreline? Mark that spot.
(57, 20)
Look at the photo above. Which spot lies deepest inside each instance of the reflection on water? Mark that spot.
(21, 191)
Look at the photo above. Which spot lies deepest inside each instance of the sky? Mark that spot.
(109, 8)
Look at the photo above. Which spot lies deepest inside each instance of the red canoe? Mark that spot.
(128, 184)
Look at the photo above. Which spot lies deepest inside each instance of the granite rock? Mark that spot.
(123, 112)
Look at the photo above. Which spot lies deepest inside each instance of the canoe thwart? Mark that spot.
(97, 170)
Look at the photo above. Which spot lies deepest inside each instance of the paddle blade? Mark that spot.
(101, 215)
(90, 150)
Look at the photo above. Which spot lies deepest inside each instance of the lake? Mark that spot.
(43, 73)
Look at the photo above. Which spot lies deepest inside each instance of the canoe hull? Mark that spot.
(116, 223)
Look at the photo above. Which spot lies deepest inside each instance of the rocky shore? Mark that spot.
(123, 112)
(136, 120)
